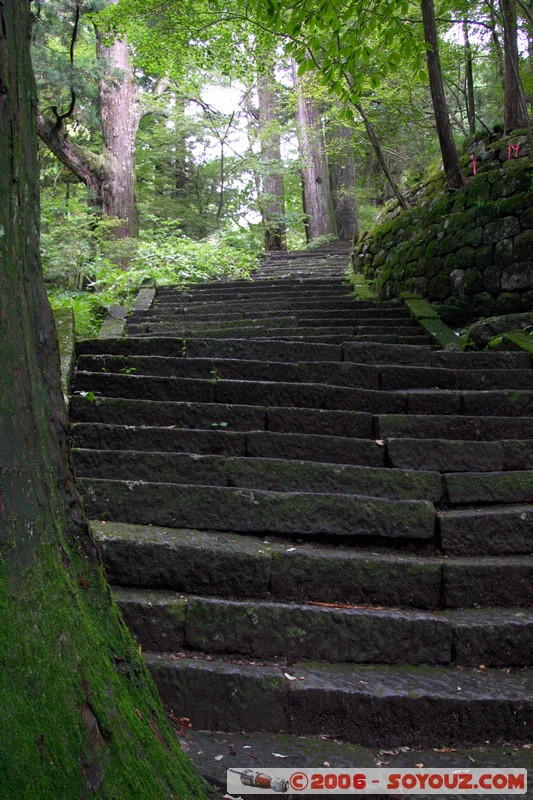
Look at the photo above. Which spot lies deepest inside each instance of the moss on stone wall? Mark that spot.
(468, 251)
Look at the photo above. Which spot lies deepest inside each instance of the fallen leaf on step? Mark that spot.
(289, 677)
(381, 442)
(219, 758)
(279, 755)
(420, 766)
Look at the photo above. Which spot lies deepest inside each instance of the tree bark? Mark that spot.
(514, 115)
(272, 198)
(450, 159)
(315, 175)
(79, 712)
(469, 94)
(119, 118)
(109, 175)
(342, 179)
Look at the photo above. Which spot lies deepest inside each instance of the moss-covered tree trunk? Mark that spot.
(79, 714)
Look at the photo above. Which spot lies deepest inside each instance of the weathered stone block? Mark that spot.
(518, 276)
(473, 281)
(501, 229)
(492, 279)
(483, 304)
(526, 219)
(465, 256)
(457, 279)
(507, 303)
(526, 301)
(503, 252)
(439, 287)
(523, 246)
(484, 255)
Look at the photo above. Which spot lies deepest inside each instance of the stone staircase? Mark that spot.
(315, 522)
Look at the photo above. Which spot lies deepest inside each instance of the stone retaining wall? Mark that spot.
(471, 250)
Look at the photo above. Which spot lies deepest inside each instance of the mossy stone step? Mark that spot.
(240, 392)
(454, 427)
(464, 455)
(252, 473)
(299, 514)
(165, 622)
(251, 309)
(202, 347)
(371, 705)
(253, 750)
(256, 444)
(275, 329)
(490, 487)
(327, 372)
(401, 377)
(497, 530)
(235, 566)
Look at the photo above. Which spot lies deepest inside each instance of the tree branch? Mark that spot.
(84, 164)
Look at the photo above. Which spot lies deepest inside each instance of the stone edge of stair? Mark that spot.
(428, 319)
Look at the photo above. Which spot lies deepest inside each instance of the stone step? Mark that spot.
(316, 395)
(460, 455)
(258, 282)
(166, 622)
(498, 530)
(489, 487)
(333, 339)
(264, 474)
(301, 514)
(245, 567)
(221, 416)
(334, 373)
(371, 705)
(282, 329)
(308, 395)
(253, 750)
(454, 427)
(257, 349)
(259, 294)
(281, 319)
(254, 444)
(251, 309)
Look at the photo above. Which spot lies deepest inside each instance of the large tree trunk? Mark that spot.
(110, 175)
(79, 713)
(514, 115)
(450, 159)
(315, 175)
(119, 118)
(382, 161)
(342, 180)
(272, 198)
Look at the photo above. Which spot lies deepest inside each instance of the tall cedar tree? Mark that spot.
(79, 713)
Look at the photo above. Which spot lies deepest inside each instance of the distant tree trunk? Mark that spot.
(81, 710)
(119, 118)
(469, 70)
(315, 175)
(496, 40)
(272, 198)
(514, 113)
(342, 179)
(110, 175)
(450, 159)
